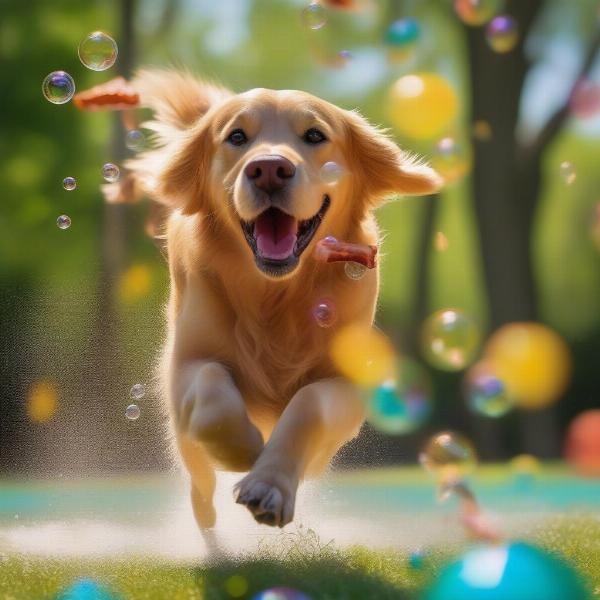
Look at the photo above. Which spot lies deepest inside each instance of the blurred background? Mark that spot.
(512, 121)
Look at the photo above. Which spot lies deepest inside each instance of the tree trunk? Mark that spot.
(506, 189)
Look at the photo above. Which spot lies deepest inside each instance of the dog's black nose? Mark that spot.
(270, 173)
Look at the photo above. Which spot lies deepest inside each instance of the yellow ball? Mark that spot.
(525, 464)
(533, 361)
(362, 354)
(42, 401)
(422, 105)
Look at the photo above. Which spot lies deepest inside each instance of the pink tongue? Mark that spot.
(275, 233)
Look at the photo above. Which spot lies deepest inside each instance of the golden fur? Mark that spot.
(244, 362)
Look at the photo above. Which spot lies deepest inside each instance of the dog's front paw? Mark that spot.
(270, 499)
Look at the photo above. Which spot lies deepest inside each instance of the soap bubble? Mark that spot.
(69, 183)
(585, 99)
(482, 130)
(135, 140)
(324, 313)
(137, 391)
(449, 456)
(582, 446)
(486, 393)
(363, 354)
(132, 412)
(331, 172)
(533, 361)
(42, 401)
(314, 16)
(402, 37)
(440, 242)
(63, 222)
(450, 339)
(110, 172)
(281, 593)
(422, 105)
(401, 403)
(58, 87)
(502, 34)
(354, 270)
(516, 571)
(451, 160)
(98, 51)
(567, 172)
(343, 58)
(476, 12)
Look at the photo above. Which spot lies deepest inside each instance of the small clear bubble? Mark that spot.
(324, 313)
(69, 183)
(502, 34)
(98, 51)
(135, 140)
(137, 391)
(63, 222)
(314, 16)
(132, 412)
(567, 172)
(486, 393)
(58, 87)
(331, 173)
(354, 270)
(450, 456)
(110, 172)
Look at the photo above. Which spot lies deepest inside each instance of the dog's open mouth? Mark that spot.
(277, 239)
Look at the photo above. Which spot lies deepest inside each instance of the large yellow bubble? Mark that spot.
(422, 105)
(42, 401)
(533, 361)
(362, 354)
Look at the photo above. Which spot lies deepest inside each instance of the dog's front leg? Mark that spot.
(319, 419)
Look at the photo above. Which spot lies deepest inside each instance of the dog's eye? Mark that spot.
(314, 136)
(237, 137)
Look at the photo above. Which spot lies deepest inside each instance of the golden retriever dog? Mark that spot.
(248, 379)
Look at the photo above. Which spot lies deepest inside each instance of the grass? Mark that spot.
(300, 561)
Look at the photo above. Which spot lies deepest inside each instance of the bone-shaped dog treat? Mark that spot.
(116, 94)
(331, 250)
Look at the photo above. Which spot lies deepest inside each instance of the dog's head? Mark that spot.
(254, 163)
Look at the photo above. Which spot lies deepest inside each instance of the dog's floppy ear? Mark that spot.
(383, 167)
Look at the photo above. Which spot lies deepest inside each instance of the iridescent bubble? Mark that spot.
(63, 222)
(343, 58)
(582, 448)
(502, 34)
(422, 105)
(132, 412)
(110, 172)
(440, 242)
(450, 339)
(476, 12)
(402, 403)
(402, 38)
(69, 183)
(98, 51)
(314, 16)
(516, 571)
(363, 354)
(324, 313)
(137, 391)
(135, 140)
(354, 270)
(58, 87)
(567, 172)
(451, 160)
(331, 173)
(532, 360)
(450, 456)
(486, 393)
(281, 593)
(482, 130)
(585, 99)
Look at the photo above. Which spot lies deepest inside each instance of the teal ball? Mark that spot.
(403, 32)
(507, 572)
(86, 589)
